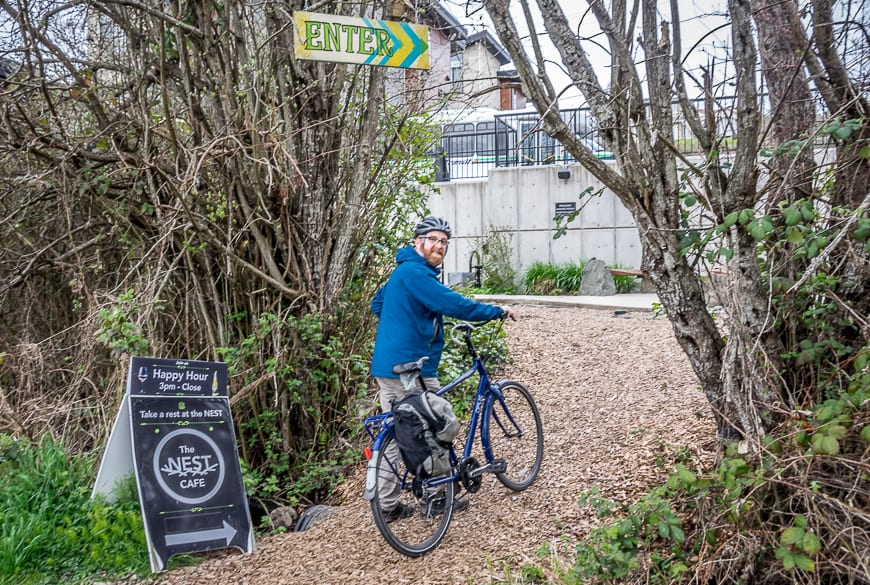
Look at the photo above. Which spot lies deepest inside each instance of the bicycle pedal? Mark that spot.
(498, 466)
(495, 466)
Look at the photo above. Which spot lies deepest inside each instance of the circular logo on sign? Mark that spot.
(189, 466)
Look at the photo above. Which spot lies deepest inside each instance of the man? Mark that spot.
(411, 306)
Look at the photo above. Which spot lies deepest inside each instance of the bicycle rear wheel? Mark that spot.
(515, 434)
(423, 529)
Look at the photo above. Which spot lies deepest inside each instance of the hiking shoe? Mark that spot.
(436, 507)
(399, 512)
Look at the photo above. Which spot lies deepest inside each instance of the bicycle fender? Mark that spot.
(371, 477)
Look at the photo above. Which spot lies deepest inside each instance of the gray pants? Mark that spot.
(392, 390)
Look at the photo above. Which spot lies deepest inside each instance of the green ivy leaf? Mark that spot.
(663, 528)
(811, 544)
(756, 229)
(826, 412)
(865, 433)
(804, 563)
(730, 219)
(787, 560)
(836, 431)
(801, 521)
(864, 151)
(791, 535)
(686, 476)
(826, 445)
(843, 133)
(792, 215)
(794, 235)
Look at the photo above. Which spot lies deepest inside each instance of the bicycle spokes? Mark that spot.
(514, 434)
(407, 511)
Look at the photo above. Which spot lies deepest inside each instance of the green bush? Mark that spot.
(569, 276)
(788, 510)
(494, 253)
(292, 429)
(52, 531)
(543, 278)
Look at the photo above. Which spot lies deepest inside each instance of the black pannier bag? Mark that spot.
(425, 426)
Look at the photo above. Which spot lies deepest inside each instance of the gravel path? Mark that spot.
(615, 393)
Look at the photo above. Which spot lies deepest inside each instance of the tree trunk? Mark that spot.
(646, 182)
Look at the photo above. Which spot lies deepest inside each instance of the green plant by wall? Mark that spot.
(545, 278)
(494, 251)
(541, 278)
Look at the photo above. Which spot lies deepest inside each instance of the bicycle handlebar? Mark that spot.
(463, 326)
(466, 327)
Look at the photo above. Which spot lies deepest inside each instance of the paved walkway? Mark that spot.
(622, 302)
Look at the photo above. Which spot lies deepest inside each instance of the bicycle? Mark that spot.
(511, 437)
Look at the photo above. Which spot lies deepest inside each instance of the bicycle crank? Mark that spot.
(470, 481)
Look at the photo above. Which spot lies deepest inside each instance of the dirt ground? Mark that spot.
(615, 393)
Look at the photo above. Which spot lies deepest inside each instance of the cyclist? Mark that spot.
(411, 306)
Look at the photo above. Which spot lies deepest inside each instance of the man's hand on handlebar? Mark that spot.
(508, 313)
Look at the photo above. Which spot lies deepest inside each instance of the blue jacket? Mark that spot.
(410, 307)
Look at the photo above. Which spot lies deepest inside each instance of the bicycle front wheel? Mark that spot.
(420, 518)
(515, 435)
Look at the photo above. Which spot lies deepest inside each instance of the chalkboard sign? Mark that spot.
(184, 457)
(161, 377)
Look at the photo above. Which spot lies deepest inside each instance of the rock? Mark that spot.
(283, 517)
(597, 280)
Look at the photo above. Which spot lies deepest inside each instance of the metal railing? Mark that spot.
(473, 146)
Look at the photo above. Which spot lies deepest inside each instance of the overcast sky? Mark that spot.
(702, 21)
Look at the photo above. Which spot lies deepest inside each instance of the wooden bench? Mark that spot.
(627, 272)
(645, 284)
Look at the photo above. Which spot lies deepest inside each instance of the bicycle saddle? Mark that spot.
(410, 366)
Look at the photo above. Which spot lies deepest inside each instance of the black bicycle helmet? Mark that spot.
(430, 224)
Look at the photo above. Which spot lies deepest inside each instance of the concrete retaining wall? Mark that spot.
(522, 202)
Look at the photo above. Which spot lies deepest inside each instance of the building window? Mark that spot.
(456, 71)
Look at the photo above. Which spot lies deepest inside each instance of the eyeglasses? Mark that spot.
(436, 240)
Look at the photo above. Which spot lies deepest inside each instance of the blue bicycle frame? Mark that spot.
(380, 425)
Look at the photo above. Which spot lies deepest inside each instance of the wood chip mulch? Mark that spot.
(616, 393)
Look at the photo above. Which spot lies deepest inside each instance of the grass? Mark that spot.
(543, 278)
(51, 531)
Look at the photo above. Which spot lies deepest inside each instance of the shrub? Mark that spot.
(494, 252)
(51, 531)
(541, 278)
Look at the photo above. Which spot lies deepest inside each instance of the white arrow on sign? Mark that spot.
(227, 532)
